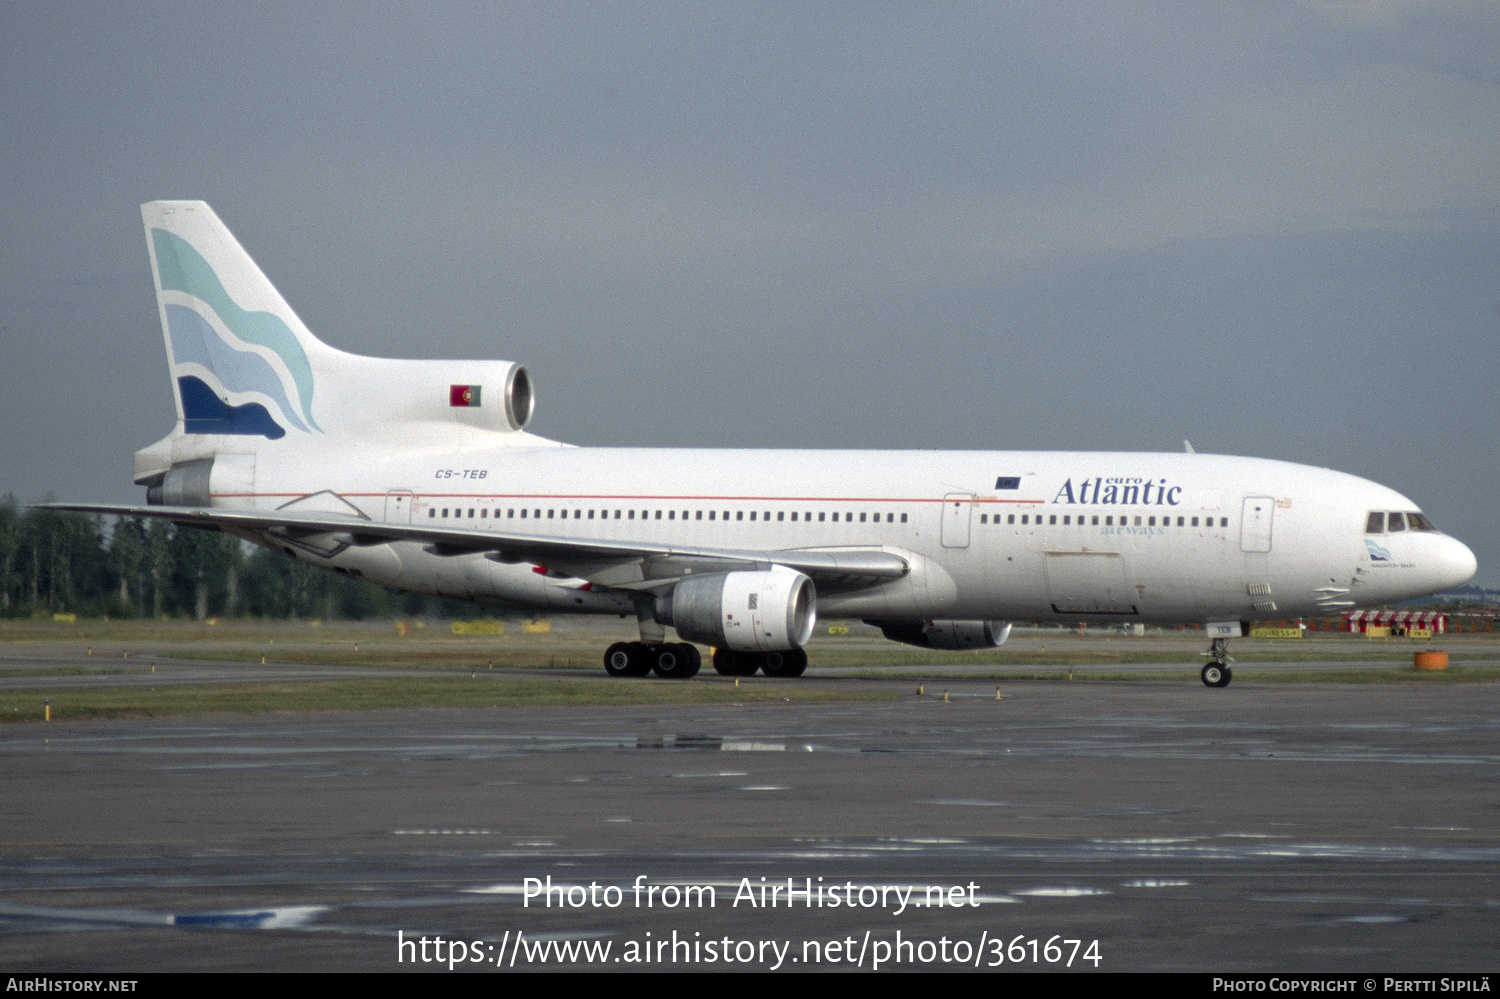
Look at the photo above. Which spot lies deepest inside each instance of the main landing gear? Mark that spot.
(668, 660)
(681, 660)
(1217, 672)
(781, 665)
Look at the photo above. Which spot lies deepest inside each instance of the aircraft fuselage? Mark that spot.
(1165, 538)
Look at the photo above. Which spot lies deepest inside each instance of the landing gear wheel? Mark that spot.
(785, 665)
(730, 663)
(627, 659)
(1216, 675)
(674, 661)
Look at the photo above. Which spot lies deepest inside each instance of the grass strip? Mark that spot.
(400, 692)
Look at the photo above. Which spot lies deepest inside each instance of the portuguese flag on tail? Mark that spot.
(463, 395)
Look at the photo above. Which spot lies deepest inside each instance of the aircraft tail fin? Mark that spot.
(242, 362)
(246, 370)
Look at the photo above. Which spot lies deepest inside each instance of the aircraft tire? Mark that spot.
(674, 661)
(730, 663)
(785, 665)
(1216, 675)
(627, 659)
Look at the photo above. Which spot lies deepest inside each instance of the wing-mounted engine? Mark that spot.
(747, 611)
(946, 634)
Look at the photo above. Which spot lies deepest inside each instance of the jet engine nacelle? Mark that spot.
(946, 634)
(767, 611)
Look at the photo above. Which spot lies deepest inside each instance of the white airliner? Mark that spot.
(420, 475)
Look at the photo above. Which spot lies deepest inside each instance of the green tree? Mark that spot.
(130, 556)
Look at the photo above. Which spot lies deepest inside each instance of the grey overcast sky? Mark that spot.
(1271, 228)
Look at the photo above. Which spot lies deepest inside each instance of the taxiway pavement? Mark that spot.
(1258, 828)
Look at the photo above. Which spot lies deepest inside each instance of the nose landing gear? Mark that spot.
(1217, 673)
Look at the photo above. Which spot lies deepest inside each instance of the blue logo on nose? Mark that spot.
(1377, 553)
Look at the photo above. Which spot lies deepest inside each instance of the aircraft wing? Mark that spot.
(622, 564)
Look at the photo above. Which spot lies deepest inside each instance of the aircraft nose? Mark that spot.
(1455, 564)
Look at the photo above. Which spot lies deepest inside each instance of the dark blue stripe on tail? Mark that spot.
(203, 412)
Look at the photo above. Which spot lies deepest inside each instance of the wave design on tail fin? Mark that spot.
(194, 341)
(203, 412)
(182, 268)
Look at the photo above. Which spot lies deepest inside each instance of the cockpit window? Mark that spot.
(1381, 522)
